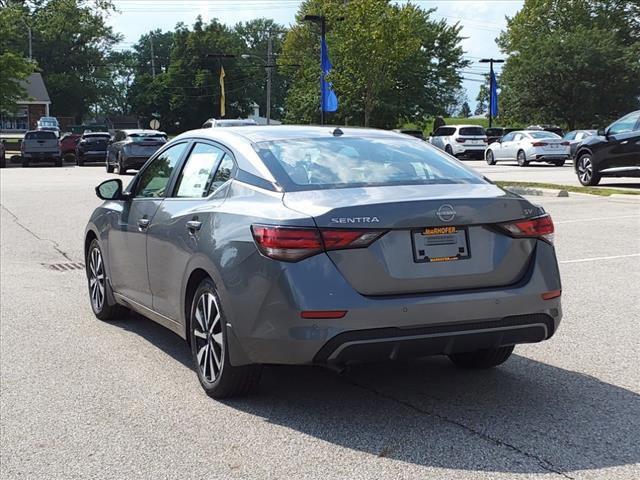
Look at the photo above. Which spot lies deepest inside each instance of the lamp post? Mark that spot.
(269, 65)
(491, 61)
(322, 21)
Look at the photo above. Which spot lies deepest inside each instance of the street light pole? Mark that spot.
(322, 21)
(269, 68)
(491, 61)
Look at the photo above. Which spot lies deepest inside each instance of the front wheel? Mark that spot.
(491, 160)
(482, 359)
(587, 174)
(208, 337)
(109, 167)
(522, 159)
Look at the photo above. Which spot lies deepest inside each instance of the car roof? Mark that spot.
(266, 133)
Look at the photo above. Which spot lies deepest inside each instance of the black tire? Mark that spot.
(121, 170)
(69, 158)
(3, 161)
(587, 173)
(559, 163)
(102, 304)
(109, 167)
(490, 158)
(482, 359)
(522, 159)
(25, 163)
(80, 161)
(448, 149)
(58, 161)
(218, 377)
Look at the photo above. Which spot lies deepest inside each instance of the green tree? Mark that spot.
(573, 62)
(392, 63)
(482, 100)
(465, 110)
(14, 66)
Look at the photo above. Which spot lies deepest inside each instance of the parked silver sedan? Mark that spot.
(321, 246)
(526, 146)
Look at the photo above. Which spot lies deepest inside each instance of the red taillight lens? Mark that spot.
(286, 243)
(552, 294)
(293, 243)
(323, 313)
(461, 140)
(539, 227)
(539, 144)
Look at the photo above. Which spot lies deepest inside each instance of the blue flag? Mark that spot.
(493, 103)
(329, 99)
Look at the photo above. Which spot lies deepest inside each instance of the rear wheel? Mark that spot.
(491, 160)
(587, 174)
(522, 159)
(208, 337)
(109, 167)
(99, 288)
(481, 359)
(121, 169)
(448, 149)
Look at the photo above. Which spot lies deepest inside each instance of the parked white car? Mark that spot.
(462, 141)
(526, 146)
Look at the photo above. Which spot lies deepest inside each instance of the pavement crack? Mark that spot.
(544, 464)
(53, 243)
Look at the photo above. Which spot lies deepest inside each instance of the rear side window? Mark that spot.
(224, 173)
(472, 132)
(444, 131)
(41, 135)
(323, 163)
(197, 174)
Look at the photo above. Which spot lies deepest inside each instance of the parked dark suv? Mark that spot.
(132, 148)
(92, 147)
(613, 152)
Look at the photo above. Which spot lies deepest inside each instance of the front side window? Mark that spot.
(508, 137)
(197, 175)
(625, 124)
(341, 162)
(155, 177)
(573, 135)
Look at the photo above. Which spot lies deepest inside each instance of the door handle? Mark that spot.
(143, 224)
(194, 225)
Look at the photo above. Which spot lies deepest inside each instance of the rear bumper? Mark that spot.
(549, 157)
(41, 156)
(266, 314)
(134, 162)
(93, 155)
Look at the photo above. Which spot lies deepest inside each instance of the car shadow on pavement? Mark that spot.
(523, 417)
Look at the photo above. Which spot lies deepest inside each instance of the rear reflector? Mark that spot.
(323, 313)
(461, 140)
(565, 144)
(551, 294)
(295, 243)
(539, 227)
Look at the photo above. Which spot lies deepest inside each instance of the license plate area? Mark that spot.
(440, 244)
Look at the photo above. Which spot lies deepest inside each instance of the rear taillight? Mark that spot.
(566, 144)
(539, 227)
(539, 144)
(295, 243)
(461, 140)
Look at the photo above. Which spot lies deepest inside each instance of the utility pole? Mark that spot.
(322, 21)
(491, 61)
(269, 67)
(153, 57)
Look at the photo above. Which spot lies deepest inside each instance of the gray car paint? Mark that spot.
(262, 298)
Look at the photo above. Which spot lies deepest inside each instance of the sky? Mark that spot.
(482, 21)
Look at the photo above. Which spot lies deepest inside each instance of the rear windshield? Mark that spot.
(472, 131)
(41, 135)
(543, 135)
(323, 163)
(494, 132)
(145, 137)
(444, 131)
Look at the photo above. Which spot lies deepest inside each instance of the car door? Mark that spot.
(506, 142)
(184, 221)
(623, 143)
(128, 240)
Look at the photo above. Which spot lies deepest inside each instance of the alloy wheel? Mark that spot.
(585, 169)
(207, 334)
(96, 279)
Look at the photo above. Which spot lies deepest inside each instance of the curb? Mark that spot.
(538, 192)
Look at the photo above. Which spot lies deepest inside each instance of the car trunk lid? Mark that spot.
(427, 226)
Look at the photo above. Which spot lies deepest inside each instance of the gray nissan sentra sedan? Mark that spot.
(321, 246)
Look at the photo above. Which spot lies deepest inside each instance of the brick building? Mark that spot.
(36, 104)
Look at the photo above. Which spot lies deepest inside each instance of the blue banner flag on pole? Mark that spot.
(329, 99)
(493, 107)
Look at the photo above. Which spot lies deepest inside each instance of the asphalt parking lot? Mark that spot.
(86, 399)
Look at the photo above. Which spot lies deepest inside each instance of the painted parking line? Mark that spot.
(577, 220)
(595, 259)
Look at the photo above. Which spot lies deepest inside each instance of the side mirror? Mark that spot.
(110, 190)
(602, 132)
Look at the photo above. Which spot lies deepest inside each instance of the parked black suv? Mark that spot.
(92, 147)
(132, 148)
(613, 152)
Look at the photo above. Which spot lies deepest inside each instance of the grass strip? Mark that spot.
(602, 191)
